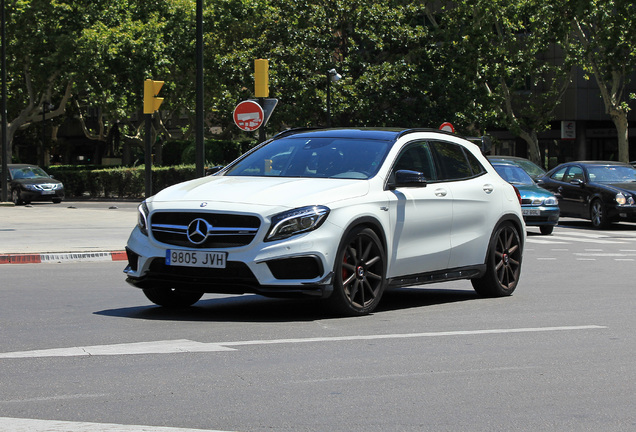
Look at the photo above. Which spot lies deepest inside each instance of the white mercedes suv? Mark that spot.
(340, 214)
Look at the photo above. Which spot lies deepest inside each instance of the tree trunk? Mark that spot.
(619, 118)
(534, 154)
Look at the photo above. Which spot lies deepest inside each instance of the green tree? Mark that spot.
(40, 40)
(504, 47)
(606, 35)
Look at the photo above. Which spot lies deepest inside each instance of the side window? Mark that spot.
(475, 165)
(575, 173)
(416, 157)
(558, 175)
(452, 161)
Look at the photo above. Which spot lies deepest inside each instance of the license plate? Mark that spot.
(186, 258)
(531, 212)
(48, 192)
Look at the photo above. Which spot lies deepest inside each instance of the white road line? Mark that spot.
(588, 239)
(188, 346)
(33, 425)
(604, 254)
(544, 241)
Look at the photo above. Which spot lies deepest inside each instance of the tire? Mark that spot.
(171, 298)
(360, 273)
(598, 215)
(503, 264)
(57, 200)
(15, 197)
(546, 229)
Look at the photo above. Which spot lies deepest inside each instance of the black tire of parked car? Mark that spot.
(503, 263)
(15, 197)
(546, 229)
(360, 273)
(171, 298)
(598, 215)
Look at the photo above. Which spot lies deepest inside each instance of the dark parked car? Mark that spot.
(533, 170)
(31, 183)
(538, 206)
(602, 192)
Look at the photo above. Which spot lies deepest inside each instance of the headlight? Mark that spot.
(142, 218)
(296, 221)
(32, 187)
(551, 201)
(621, 199)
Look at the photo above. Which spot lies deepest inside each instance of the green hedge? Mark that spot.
(118, 182)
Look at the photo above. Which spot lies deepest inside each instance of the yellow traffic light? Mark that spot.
(261, 78)
(151, 101)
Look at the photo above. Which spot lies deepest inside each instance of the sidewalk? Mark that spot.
(72, 230)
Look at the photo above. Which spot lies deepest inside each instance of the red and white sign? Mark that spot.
(248, 115)
(448, 127)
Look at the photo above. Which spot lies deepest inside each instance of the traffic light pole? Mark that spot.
(148, 158)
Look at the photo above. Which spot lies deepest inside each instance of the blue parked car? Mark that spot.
(539, 206)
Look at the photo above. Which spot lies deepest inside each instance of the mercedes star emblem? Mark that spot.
(198, 231)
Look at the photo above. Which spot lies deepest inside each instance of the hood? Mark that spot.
(264, 191)
(533, 191)
(36, 181)
(618, 187)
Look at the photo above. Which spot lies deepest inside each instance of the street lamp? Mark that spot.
(332, 76)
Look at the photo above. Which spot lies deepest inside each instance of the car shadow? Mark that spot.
(255, 308)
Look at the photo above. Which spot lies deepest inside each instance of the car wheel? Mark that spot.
(56, 200)
(360, 273)
(171, 298)
(546, 229)
(15, 197)
(503, 264)
(598, 215)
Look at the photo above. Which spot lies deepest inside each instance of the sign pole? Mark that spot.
(148, 158)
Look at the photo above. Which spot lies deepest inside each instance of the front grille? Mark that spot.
(213, 230)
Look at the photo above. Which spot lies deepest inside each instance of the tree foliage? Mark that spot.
(606, 50)
(479, 64)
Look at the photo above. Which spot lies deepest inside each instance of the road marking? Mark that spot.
(33, 425)
(543, 241)
(188, 346)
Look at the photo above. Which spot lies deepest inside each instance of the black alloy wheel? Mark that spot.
(503, 264)
(598, 215)
(360, 273)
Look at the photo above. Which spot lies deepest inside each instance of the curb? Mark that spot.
(62, 256)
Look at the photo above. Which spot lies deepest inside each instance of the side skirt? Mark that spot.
(440, 276)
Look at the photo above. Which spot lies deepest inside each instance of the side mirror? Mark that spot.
(407, 178)
(576, 182)
(213, 170)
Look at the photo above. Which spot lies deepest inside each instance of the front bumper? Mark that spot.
(301, 265)
(625, 213)
(542, 215)
(29, 195)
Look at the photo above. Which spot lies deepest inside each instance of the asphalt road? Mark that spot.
(82, 350)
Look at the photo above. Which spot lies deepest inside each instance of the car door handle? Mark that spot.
(488, 188)
(440, 192)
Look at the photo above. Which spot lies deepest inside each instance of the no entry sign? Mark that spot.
(248, 115)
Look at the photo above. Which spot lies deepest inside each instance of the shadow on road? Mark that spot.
(254, 308)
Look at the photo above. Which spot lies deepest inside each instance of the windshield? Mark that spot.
(514, 175)
(345, 158)
(530, 168)
(28, 173)
(612, 174)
